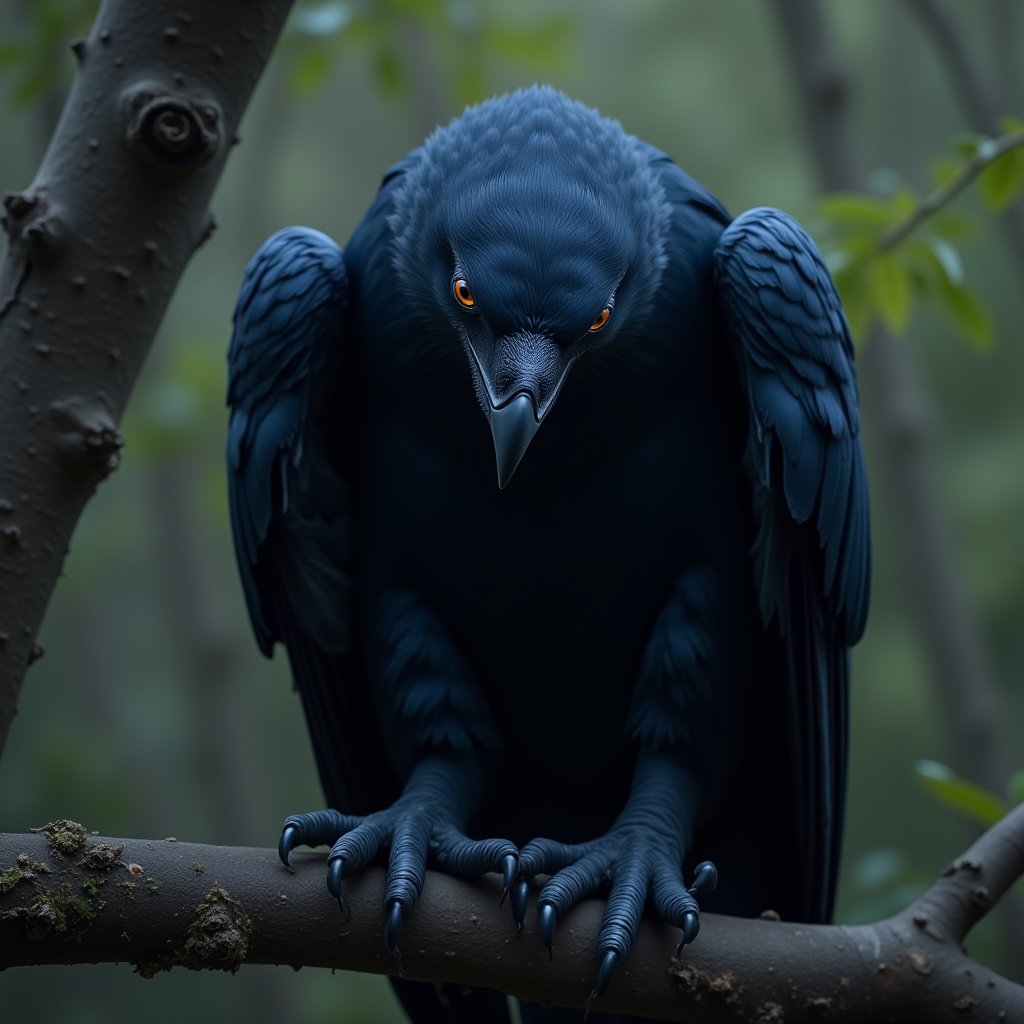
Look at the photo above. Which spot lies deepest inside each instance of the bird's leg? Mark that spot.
(639, 860)
(445, 741)
(423, 828)
(680, 723)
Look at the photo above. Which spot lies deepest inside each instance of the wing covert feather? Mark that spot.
(289, 500)
(796, 356)
(812, 552)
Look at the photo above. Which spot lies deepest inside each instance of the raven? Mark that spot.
(629, 652)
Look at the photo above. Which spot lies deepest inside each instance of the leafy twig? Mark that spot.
(987, 153)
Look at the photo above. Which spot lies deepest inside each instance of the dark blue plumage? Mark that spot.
(628, 653)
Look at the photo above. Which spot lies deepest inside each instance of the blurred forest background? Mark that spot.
(152, 713)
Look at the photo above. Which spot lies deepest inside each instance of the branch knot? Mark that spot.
(174, 131)
(87, 435)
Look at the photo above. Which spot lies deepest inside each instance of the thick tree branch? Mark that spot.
(97, 244)
(161, 903)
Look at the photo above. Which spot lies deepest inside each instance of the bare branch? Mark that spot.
(161, 904)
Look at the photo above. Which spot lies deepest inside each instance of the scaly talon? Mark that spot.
(288, 841)
(511, 866)
(691, 926)
(335, 871)
(393, 928)
(705, 879)
(518, 896)
(546, 921)
(605, 973)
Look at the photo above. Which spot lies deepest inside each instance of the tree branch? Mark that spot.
(973, 87)
(97, 244)
(161, 904)
(988, 152)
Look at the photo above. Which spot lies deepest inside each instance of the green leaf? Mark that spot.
(938, 260)
(389, 71)
(969, 314)
(538, 46)
(1002, 181)
(469, 82)
(12, 53)
(967, 144)
(310, 70)
(1016, 788)
(853, 293)
(952, 225)
(971, 800)
(902, 203)
(853, 209)
(890, 291)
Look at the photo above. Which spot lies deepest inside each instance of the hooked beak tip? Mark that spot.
(513, 427)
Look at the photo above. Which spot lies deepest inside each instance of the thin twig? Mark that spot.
(988, 152)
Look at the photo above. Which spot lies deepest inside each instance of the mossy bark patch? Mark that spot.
(25, 870)
(64, 836)
(217, 938)
(100, 856)
(61, 910)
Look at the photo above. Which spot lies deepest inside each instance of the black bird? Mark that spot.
(629, 653)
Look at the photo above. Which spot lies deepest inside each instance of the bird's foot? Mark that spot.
(418, 831)
(632, 864)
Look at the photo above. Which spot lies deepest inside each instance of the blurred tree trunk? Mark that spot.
(227, 770)
(970, 700)
(97, 244)
(1003, 34)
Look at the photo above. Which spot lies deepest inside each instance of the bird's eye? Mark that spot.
(600, 320)
(462, 293)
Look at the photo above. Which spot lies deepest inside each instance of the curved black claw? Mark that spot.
(518, 896)
(508, 875)
(547, 917)
(335, 870)
(605, 973)
(288, 841)
(705, 879)
(691, 926)
(393, 928)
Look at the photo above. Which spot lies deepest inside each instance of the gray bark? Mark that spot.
(97, 244)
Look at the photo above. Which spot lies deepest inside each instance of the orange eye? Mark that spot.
(601, 319)
(463, 296)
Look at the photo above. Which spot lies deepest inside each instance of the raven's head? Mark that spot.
(529, 232)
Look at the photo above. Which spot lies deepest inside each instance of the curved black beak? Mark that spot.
(518, 378)
(512, 427)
